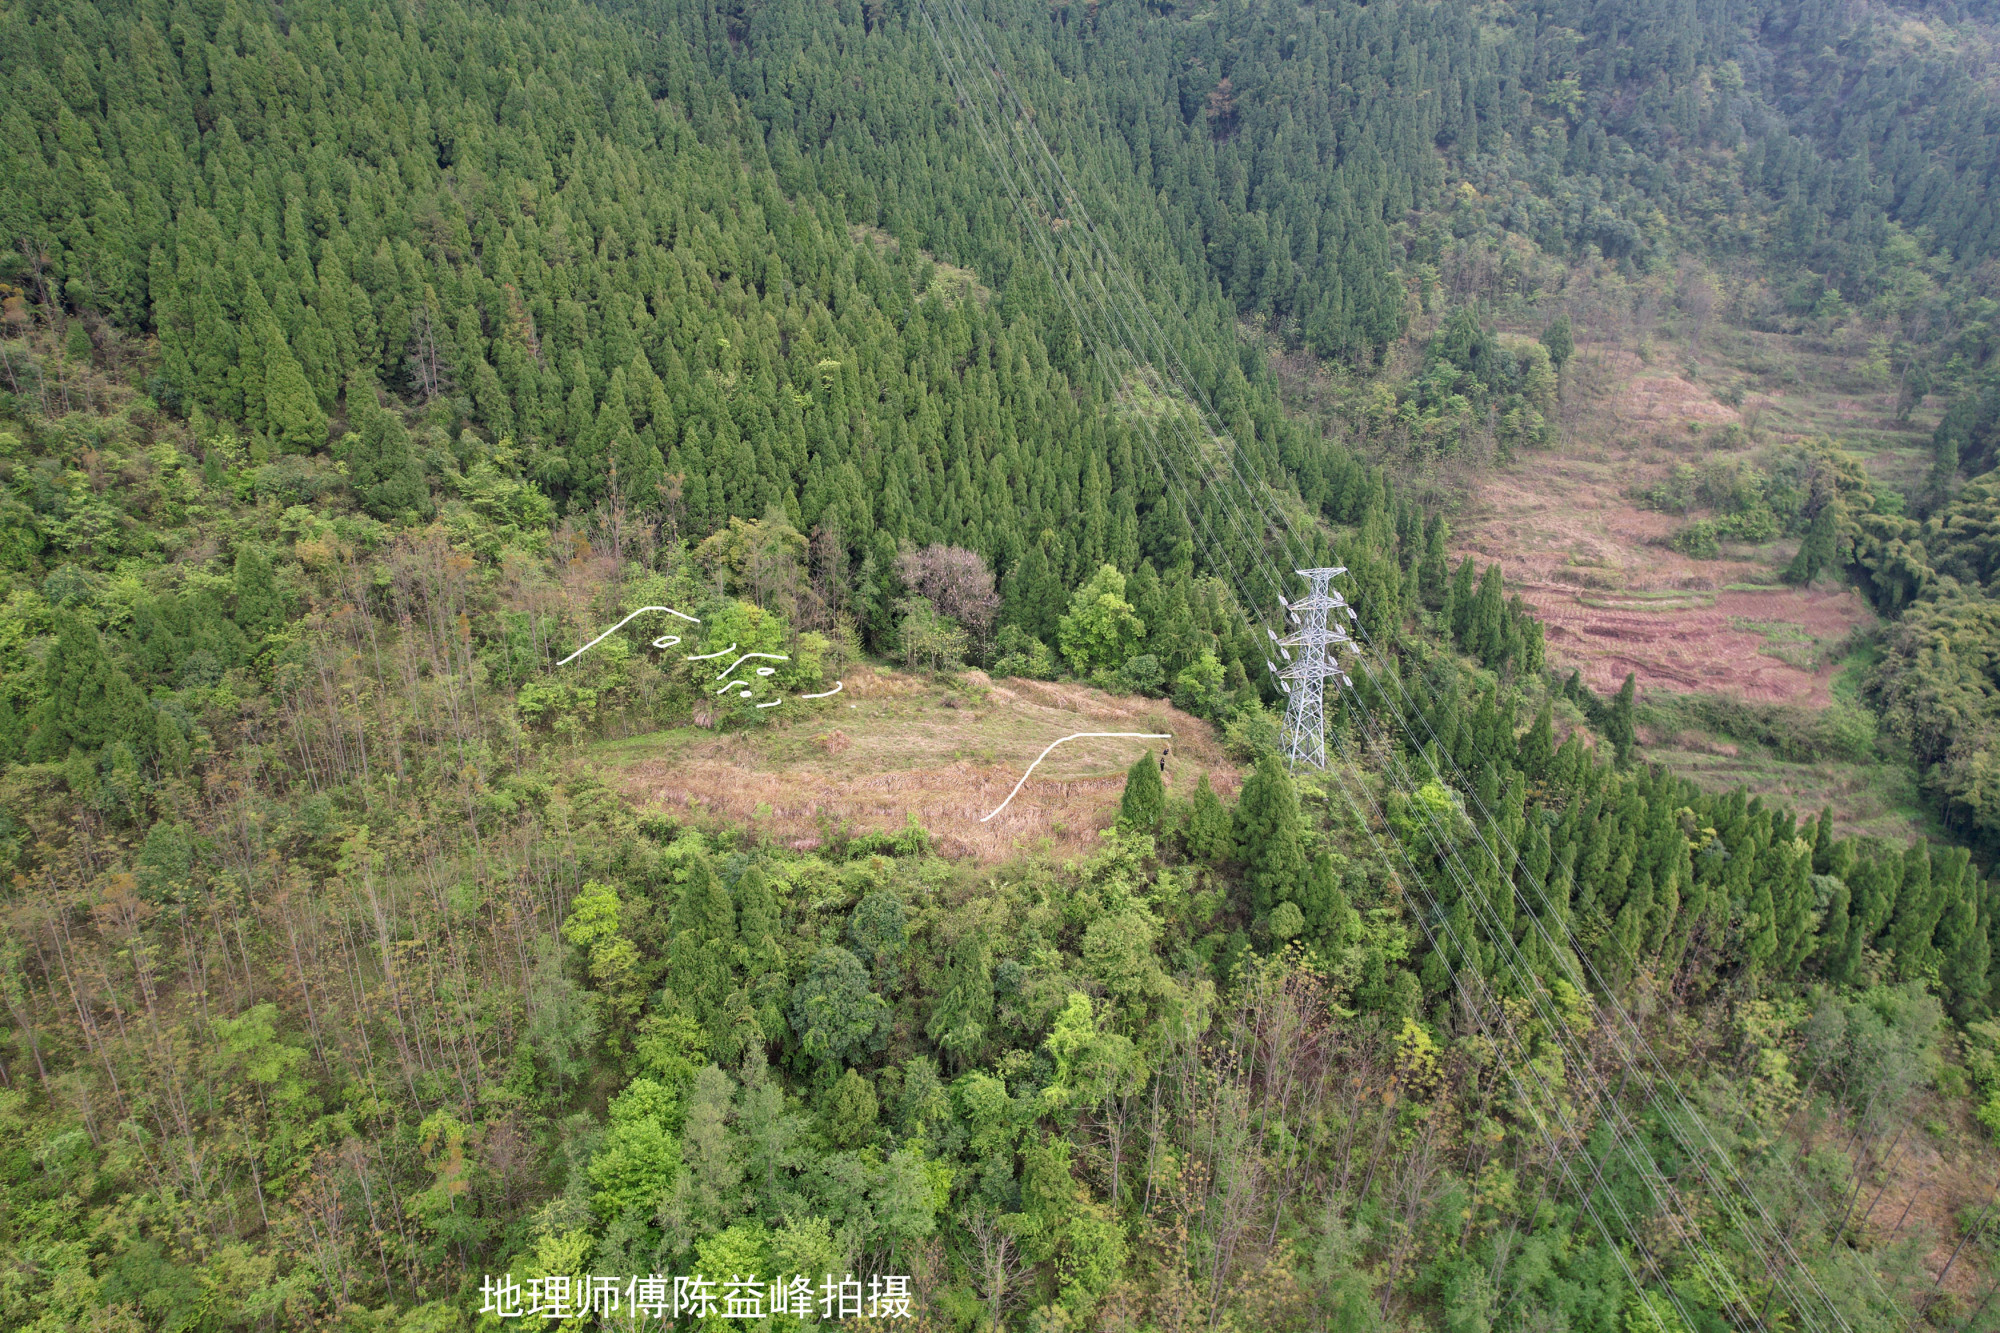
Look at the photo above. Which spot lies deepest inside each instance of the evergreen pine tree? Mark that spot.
(1817, 551)
(1145, 796)
(1618, 727)
(292, 412)
(1434, 572)
(376, 449)
(1822, 842)
(1458, 604)
(1833, 928)
(964, 1008)
(89, 700)
(1537, 749)
(260, 608)
(1965, 956)
(1267, 836)
(1207, 837)
(1486, 636)
(1559, 341)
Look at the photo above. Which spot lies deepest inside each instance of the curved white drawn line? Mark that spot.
(1074, 736)
(666, 641)
(727, 686)
(708, 657)
(621, 625)
(775, 657)
(767, 671)
(828, 694)
(773, 704)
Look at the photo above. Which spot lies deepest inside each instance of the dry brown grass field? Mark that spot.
(895, 746)
(1567, 530)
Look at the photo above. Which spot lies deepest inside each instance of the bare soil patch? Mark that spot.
(1720, 647)
(1567, 529)
(898, 747)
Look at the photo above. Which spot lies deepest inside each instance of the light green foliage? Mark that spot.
(1091, 1064)
(637, 1163)
(851, 1111)
(928, 640)
(1101, 628)
(1199, 688)
(593, 926)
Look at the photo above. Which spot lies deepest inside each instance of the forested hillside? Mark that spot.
(360, 362)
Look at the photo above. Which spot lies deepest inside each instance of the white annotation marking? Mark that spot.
(775, 657)
(709, 657)
(621, 625)
(829, 693)
(1074, 736)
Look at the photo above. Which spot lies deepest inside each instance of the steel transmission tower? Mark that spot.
(1304, 677)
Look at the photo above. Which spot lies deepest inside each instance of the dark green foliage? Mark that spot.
(1618, 726)
(89, 701)
(1266, 833)
(1816, 552)
(963, 1010)
(1208, 828)
(376, 450)
(1559, 342)
(834, 1013)
(877, 930)
(260, 607)
(1145, 796)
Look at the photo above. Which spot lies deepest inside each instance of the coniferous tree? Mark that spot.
(1434, 573)
(1208, 829)
(1816, 553)
(291, 409)
(1266, 836)
(380, 466)
(1559, 342)
(1145, 795)
(963, 1011)
(90, 702)
(260, 607)
(1459, 604)
(1537, 749)
(1618, 727)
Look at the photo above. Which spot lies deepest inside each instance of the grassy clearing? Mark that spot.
(1806, 758)
(1647, 601)
(943, 752)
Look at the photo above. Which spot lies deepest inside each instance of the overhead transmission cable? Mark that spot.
(1235, 579)
(1075, 206)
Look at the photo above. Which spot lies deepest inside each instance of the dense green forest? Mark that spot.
(360, 361)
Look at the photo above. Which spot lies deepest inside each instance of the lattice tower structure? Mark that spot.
(1313, 659)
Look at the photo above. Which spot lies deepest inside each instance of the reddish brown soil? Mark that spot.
(1565, 528)
(1920, 1191)
(1698, 648)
